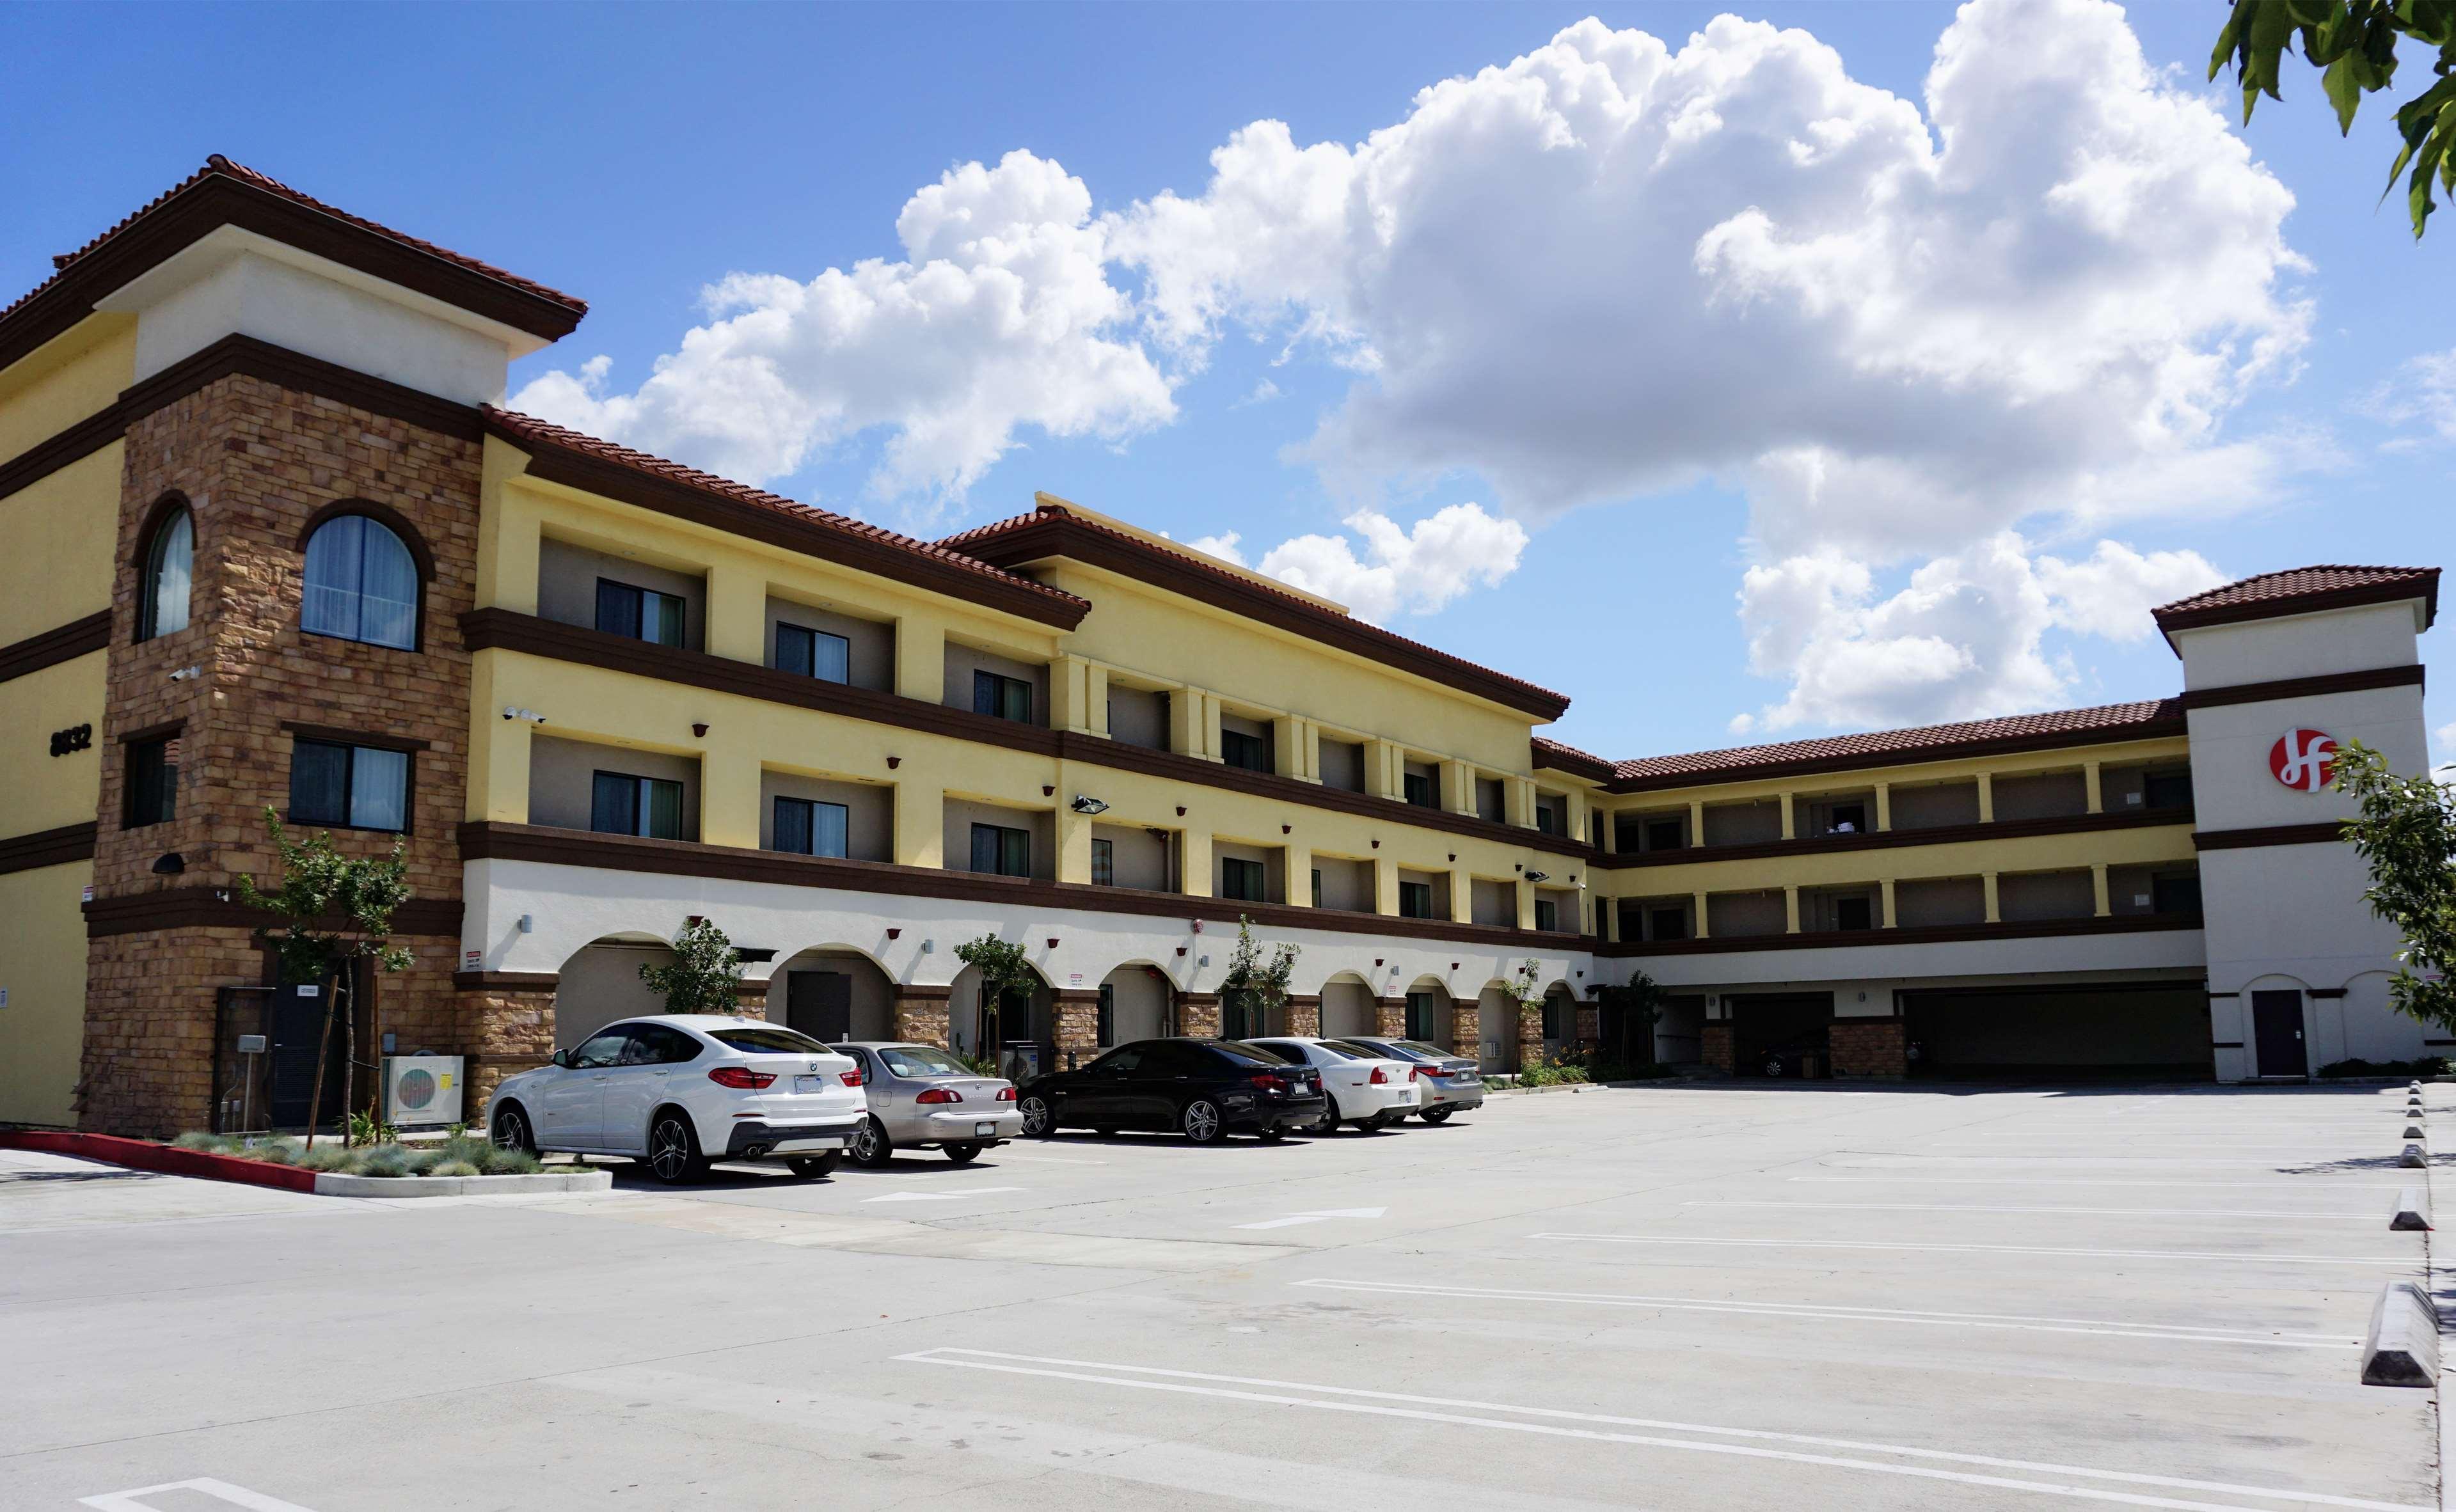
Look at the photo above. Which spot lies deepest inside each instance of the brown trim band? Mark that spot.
(507, 981)
(211, 907)
(238, 357)
(2156, 727)
(2319, 834)
(1575, 764)
(146, 732)
(2328, 992)
(1888, 839)
(1058, 535)
(482, 840)
(48, 847)
(925, 991)
(353, 737)
(1926, 934)
(75, 639)
(160, 231)
(2408, 676)
(812, 536)
(505, 629)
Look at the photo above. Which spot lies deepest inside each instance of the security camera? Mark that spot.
(1086, 804)
(514, 711)
(1538, 876)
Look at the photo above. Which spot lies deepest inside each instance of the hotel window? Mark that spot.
(813, 653)
(1551, 816)
(1418, 789)
(152, 781)
(810, 828)
(2167, 790)
(1241, 880)
(361, 585)
(1556, 1017)
(1002, 697)
(1001, 852)
(1665, 834)
(1104, 1030)
(1415, 899)
(639, 614)
(1666, 924)
(624, 805)
(170, 565)
(2176, 893)
(353, 786)
(1419, 1017)
(1251, 752)
(1547, 914)
(1852, 913)
(1847, 819)
(1317, 887)
(1104, 868)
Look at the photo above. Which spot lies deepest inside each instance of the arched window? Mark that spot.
(170, 562)
(361, 583)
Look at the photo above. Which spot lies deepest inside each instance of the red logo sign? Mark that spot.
(2304, 759)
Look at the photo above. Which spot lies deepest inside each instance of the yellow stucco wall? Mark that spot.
(66, 378)
(41, 966)
(39, 791)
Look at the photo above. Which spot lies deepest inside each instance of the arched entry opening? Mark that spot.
(601, 982)
(1559, 1019)
(1430, 1014)
(1135, 1001)
(1016, 1031)
(832, 994)
(1496, 1023)
(1348, 1007)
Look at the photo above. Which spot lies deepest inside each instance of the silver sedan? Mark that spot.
(920, 1096)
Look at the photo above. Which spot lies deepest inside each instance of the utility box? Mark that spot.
(422, 1091)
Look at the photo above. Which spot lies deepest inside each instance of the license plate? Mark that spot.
(985, 1129)
(809, 1084)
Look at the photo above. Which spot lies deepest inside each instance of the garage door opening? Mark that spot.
(1786, 1030)
(2132, 1032)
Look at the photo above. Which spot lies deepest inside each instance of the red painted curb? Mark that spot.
(143, 1154)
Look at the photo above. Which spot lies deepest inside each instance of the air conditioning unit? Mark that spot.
(422, 1091)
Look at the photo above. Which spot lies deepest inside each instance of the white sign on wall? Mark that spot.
(2304, 759)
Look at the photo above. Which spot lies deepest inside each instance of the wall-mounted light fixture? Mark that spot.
(1376, 845)
(1048, 789)
(893, 762)
(170, 864)
(1453, 857)
(1052, 942)
(1287, 829)
(1086, 804)
(1180, 811)
(893, 932)
(699, 729)
(928, 946)
(527, 924)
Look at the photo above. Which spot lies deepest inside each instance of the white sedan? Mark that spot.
(675, 1091)
(1362, 1091)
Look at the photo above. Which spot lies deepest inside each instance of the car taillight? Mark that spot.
(741, 1078)
(1267, 1082)
(1418, 1072)
(1380, 1077)
(852, 1078)
(1006, 1094)
(940, 1095)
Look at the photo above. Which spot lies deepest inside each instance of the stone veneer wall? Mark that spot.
(921, 1015)
(1076, 1019)
(1304, 1016)
(1869, 1048)
(256, 462)
(1716, 1049)
(1197, 1013)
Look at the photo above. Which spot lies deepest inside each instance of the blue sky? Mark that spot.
(1617, 357)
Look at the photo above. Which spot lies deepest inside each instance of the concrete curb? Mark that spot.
(2402, 1348)
(2413, 1158)
(144, 1154)
(2412, 1210)
(330, 1184)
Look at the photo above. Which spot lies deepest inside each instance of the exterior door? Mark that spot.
(298, 1031)
(819, 1004)
(2277, 1034)
(637, 1082)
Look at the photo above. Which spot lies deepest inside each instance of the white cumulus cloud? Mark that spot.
(1401, 569)
(2423, 392)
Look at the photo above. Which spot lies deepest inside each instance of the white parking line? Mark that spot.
(2313, 1183)
(2407, 1261)
(202, 1485)
(1961, 1207)
(1557, 1423)
(2169, 1333)
(952, 1195)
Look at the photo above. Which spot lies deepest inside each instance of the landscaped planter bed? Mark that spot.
(455, 1168)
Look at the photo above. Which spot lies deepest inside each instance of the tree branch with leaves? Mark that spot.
(1254, 987)
(2406, 835)
(704, 975)
(335, 911)
(1003, 968)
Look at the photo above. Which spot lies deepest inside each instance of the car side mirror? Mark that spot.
(561, 1058)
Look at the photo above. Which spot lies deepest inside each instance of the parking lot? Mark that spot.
(1687, 1296)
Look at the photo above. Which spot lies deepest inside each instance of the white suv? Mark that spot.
(677, 1091)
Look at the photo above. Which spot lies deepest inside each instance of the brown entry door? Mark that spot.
(819, 1004)
(2277, 1031)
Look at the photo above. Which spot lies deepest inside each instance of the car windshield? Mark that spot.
(1387, 1050)
(769, 1040)
(920, 1060)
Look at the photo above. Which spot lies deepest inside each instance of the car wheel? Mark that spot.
(1328, 1123)
(1200, 1122)
(1773, 1066)
(673, 1150)
(963, 1155)
(809, 1168)
(1039, 1119)
(1438, 1115)
(871, 1147)
(512, 1131)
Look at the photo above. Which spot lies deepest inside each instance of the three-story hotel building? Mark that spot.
(275, 544)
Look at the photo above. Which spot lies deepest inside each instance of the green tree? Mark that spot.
(2354, 45)
(2406, 835)
(1254, 989)
(1003, 969)
(1639, 1008)
(703, 975)
(334, 911)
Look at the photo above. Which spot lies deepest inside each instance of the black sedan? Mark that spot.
(1200, 1088)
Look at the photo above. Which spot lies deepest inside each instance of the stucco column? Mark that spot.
(2090, 773)
(1526, 891)
(1790, 911)
(1458, 786)
(728, 794)
(1194, 857)
(1987, 881)
(1385, 885)
(1461, 896)
(2097, 887)
(1788, 829)
(737, 614)
(920, 661)
(1296, 748)
(1884, 805)
(1384, 769)
(1698, 909)
(1987, 807)
(1074, 834)
(1299, 863)
(1697, 822)
(498, 752)
(920, 823)
(1886, 887)
(1517, 802)
(1074, 691)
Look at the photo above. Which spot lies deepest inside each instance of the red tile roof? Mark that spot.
(2071, 726)
(532, 433)
(1054, 530)
(224, 193)
(2302, 590)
